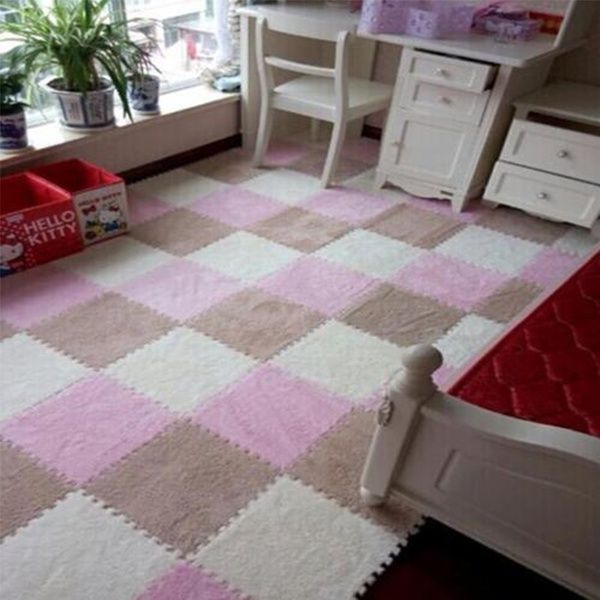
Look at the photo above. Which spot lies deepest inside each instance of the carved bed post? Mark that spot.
(396, 418)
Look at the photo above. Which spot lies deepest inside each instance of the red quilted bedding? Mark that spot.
(547, 368)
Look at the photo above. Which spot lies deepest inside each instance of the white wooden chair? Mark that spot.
(322, 93)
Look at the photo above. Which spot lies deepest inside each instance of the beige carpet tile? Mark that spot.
(508, 301)
(231, 167)
(312, 164)
(520, 224)
(415, 226)
(26, 489)
(6, 330)
(334, 467)
(300, 229)
(183, 485)
(402, 317)
(181, 231)
(257, 323)
(103, 330)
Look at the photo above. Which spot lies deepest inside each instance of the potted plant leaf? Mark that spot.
(13, 127)
(90, 54)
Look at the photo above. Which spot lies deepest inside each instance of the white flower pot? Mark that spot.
(89, 111)
(13, 131)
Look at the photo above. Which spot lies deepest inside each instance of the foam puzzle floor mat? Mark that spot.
(187, 408)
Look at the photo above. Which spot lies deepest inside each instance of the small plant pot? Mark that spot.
(13, 131)
(84, 111)
(144, 94)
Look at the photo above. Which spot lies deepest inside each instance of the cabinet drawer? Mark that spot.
(553, 149)
(454, 72)
(426, 148)
(444, 101)
(547, 195)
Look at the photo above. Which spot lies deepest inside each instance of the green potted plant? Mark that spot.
(142, 84)
(13, 127)
(91, 54)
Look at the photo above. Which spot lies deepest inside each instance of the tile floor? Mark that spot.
(187, 407)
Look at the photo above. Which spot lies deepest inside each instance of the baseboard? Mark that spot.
(182, 158)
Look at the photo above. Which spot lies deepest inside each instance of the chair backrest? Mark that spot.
(266, 63)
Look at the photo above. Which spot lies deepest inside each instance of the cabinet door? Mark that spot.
(429, 149)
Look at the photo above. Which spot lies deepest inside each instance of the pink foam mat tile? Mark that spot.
(185, 582)
(282, 153)
(180, 289)
(29, 297)
(473, 211)
(142, 208)
(549, 267)
(237, 206)
(87, 427)
(318, 284)
(345, 204)
(272, 414)
(448, 280)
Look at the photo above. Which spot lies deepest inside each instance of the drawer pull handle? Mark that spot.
(562, 154)
(542, 196)
(441, 72)
(445, 100)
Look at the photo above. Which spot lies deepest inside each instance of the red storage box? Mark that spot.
(38, 223)
(100, 197)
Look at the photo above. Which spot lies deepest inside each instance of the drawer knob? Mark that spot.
(441, 72)
(562, 154)
(542, 196)
(445, 100)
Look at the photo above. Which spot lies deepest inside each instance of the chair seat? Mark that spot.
(316, 95)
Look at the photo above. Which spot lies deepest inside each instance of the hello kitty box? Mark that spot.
(100, 197)
(38, 223)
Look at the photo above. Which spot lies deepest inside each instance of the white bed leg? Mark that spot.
(396, 420)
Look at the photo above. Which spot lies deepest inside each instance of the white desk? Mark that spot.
(519, 68)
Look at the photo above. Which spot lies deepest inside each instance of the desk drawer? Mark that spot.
(553, 149)
(543, 194)
(443, 101)
(453, 72)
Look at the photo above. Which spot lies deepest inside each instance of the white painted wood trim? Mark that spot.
(530, 491)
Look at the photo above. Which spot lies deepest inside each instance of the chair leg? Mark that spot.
(315, 126)
(265, 126)
(333, 154)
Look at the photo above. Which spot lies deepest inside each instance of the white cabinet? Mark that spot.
(554, 149)
(452, 72)
(543, 194)
(410, 149)
(550, 162)
(446, 123)
(423, 96)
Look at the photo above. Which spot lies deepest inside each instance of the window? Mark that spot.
(183, 33)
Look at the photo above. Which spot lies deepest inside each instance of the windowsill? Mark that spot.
(47, 138)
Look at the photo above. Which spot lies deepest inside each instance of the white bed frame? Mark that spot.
(528, 490)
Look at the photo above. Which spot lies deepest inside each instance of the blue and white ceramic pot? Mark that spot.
(144, 94)
(89, 111)
(13, 130)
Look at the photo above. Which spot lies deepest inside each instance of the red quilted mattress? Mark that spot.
(547, 368)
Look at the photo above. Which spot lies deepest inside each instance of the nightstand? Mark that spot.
(550, 161)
